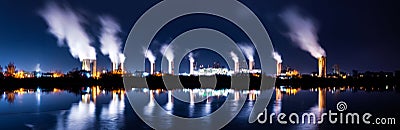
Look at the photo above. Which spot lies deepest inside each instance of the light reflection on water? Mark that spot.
(101, 109)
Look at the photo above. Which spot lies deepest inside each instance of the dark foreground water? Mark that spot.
(100, 109)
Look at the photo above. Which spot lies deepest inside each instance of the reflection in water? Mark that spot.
(80, 115)
(85, 113)
(321, 98)
(114, 111)
(278, 101)
(99, 109)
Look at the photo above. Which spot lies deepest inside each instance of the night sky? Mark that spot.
(356, 34)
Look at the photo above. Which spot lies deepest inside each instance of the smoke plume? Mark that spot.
(277, 57)
(248, 51)
(110, 42)
(235, 58)
(303, 32)
(37, 68)
(149, 55)
(66, 25)
(168, 52)
(191, 59)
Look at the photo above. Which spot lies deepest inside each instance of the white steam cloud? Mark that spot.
(303, 32)
(149, 55)
(37, 68)
(277, 57)
(168, 52)
(248, 51)
(66, 25)
(191, 59)
(110, 42)
(235, 58)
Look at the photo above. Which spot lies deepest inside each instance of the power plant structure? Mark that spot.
(90, 65)
(191, 67)
(86, 64)
(117, 67)
(237, 67)
(278, 68)
(322, 67)
(152, 68)
(171, 67)
(251, 65)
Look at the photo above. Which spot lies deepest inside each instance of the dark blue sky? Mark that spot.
(356, 34)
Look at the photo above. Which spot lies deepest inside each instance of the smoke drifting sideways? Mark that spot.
(149, 55)
(110, 42)
(248, 51)
(303, 32)
(67, 26)
(168, 52)
(277, 57)
(235, 58)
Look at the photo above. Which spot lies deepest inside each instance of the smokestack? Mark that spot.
(278, 59)
(167, 51)
(237, 66)
(121, 62)
(86, 64)
(94, 68)
(114, 67)
(322, 67)
(191, 64)
(152, 68)
(251, 65)
(278, 68)
(171, 67)
(149, 55)
(235, 59)
(249, 52)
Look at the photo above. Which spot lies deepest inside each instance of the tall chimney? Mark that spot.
(191, 67)
(171, 67)
(94, 68)
(122, 67)
(236, 67)
(152, 68)
(322, 67)
(86, 64)
(278, 68)
(114, 67)
(251, 65)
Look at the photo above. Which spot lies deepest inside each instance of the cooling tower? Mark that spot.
(322, 67)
